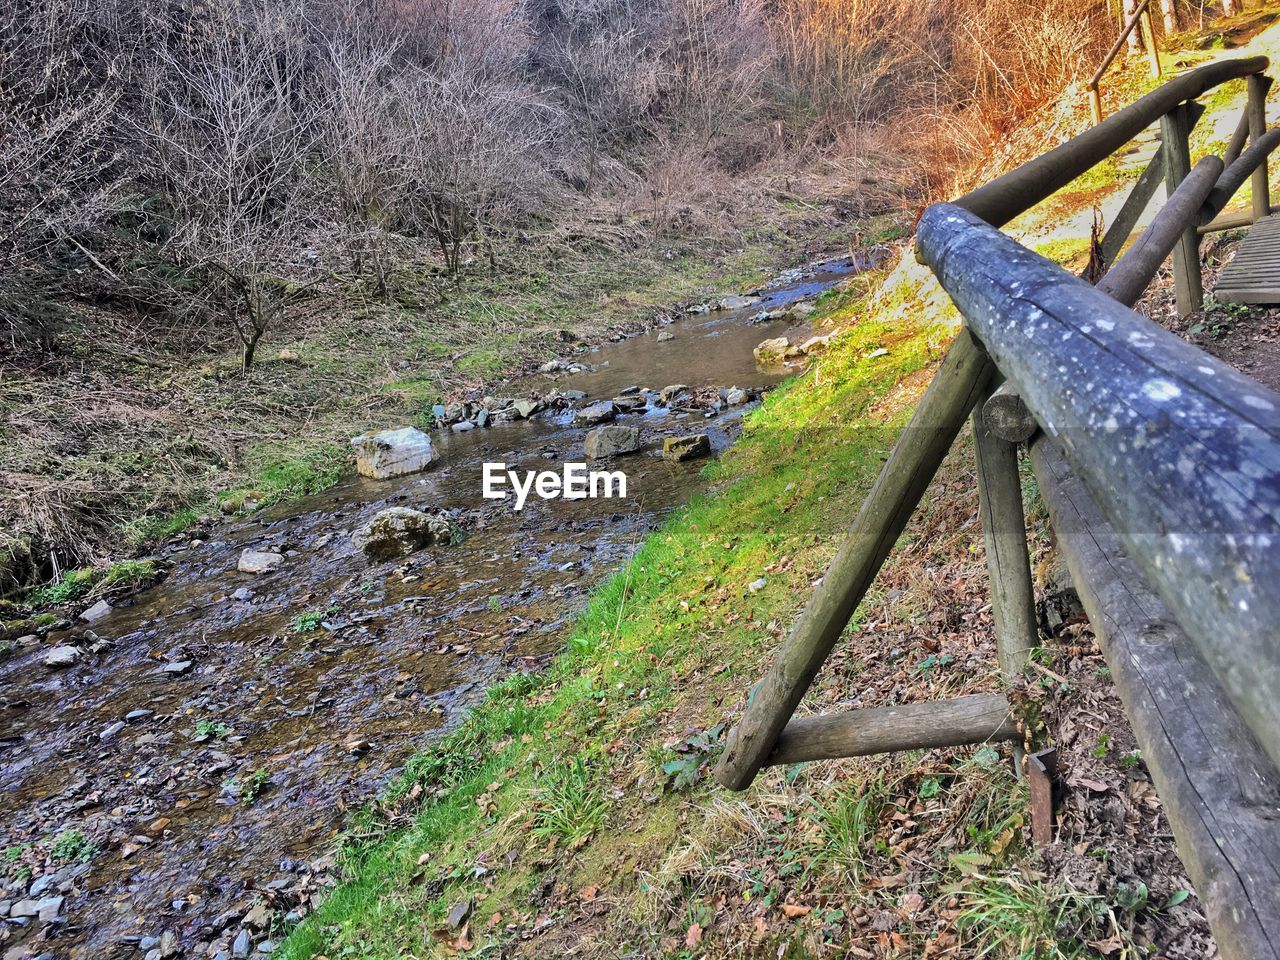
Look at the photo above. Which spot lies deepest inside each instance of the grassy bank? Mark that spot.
(572, 809)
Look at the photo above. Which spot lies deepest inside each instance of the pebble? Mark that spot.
(133, 715)
(109, 731)
(459, 912)
(240, 947)
(178, 666)
(755, 586)
(148, 943)
(244, 595)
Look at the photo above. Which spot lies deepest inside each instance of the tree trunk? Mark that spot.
(1135, 40)
(1169, 12)
(1230, 8)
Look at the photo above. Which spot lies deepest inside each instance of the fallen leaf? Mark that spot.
(913, 903)
(588, 893)
(794, 911)
(693, 936)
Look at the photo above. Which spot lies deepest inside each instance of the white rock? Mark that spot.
(63, 656)
(771, 351)
(96, 612)
(611, 442)
(393, 453)
(755, 586)
(259, 561)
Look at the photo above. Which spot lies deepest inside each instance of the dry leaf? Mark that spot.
(795, 911)
(693, 936)
(588, 893)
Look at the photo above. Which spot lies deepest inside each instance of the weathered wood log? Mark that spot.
(1131, 274)
(1135, 203)
(1175, 141)
(979, 718)
(1239, 137)
(1235, 175)
(1219, 789)
(1228, 221)
(1004, 534)
(1256, 108)
(1181, 451)
(1004, 198)
(961, 381)
(1008, 417)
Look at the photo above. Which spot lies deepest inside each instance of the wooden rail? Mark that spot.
(1179, 460)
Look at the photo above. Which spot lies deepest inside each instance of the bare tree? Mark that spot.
(230, 133)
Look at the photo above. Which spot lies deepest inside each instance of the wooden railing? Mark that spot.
(1160, 466)
(1140, 16)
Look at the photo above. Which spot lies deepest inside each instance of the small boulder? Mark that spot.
(812, 345)
(735, 302)
(63, 656)
(463, 426)
(96, 612)
(665, 336)
(671, 392)
(736, 397)
(772, 351)
(612, 442)
(600, 412)
(259, 561)
(799, 311)
(686, 448)
(524, 409)
(399, 531)
(459, 913)
(393, 453)
(177, 668)
(632, 403)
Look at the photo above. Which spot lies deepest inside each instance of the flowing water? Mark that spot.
(191, 830)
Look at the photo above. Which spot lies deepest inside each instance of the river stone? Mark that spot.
(459, 912)
(801, 310)
(63, 656)
(393, 453)
(812, 345)
(463, 426)
(630, 404)
(399, 531)
(686, 448)
(240, 946)
(96, 612)
(736, 397)
(665, 336)
(109, 731)
(671, 391)
(596, 413)
(612, 442)
(259, 561)
(735, 302)
(771, 351)
(524, 409)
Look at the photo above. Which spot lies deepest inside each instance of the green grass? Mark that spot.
(91, 581)
(526, 768)
(847, 825)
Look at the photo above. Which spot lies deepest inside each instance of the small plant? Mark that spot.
(248, 789)
(73, 585)
(14, 853)
(929, 787)
(495, 604)
(72, 846)
(1026, 921)
(692, 754)
(311, 621)
(1102, 745)
(1131, 759)
(847, 828)
(932, 662)
(570, 808)
(211, 730)
(1131, 899)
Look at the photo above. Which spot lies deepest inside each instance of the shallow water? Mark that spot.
(328, 715)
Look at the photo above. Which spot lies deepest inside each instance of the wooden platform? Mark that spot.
(1253, 276)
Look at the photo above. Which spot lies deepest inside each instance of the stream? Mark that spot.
(210, 750)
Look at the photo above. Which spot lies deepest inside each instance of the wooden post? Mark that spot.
(1004, 532)
(1257, 109)
(1095, 104)
(1008, 417)
(1248, 163)
(960, 382)
(1188, 284)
